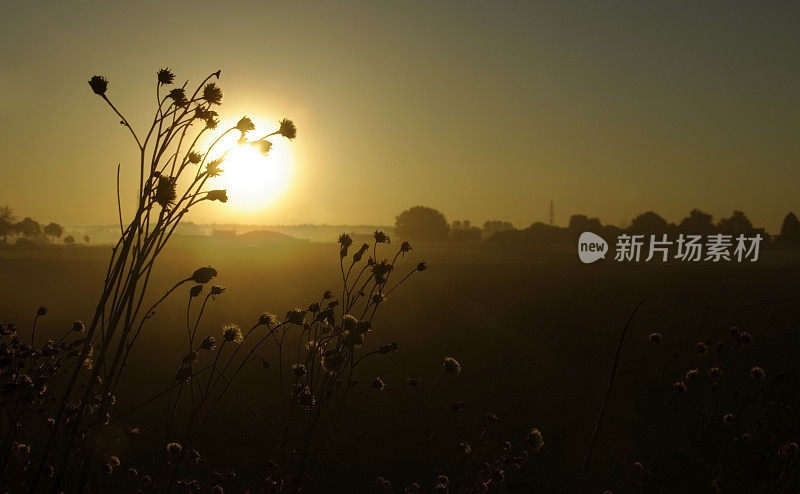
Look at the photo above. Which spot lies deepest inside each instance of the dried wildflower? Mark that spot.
(692, 374)
(451, 365)
(422, 266)
(213, 169)
(165, 192)
(332, 360)
(267, 319)
(655, 337)
(349, 322)
(345, 241)
(212, 93)
(465, 447)
(299, 370)
(78, 327)
(327, 295)
(178, 96)
(41, 311)
(701, 348)
(295, 316)
(381, 238)
(209, 343)
(789, 450)
(352, 339)
(114, 461)
(204, 275)
(413, 381)
(194, 157)
(174, 448)
(729, 419)
(287, 129)
(360, 253)
(217, 290)
(99, 85)
(165, 76)
(378, 384)
(194, 455)
(757, 373)
(245, 125)
(679, 386)
(263, 146)
(195, 290)
(715, 373)
(536, 440)
(217, 195)
(232, 332)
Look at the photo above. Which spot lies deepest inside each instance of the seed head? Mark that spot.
(178, 96)
(217, 290)
(536, 440)
(245, 125)
(41, 311)
(220, 195)
(679, 386)
(194, 158)
(655, 337)
(195, 290)
(99, 84)
(287, 129)
(174, 448)
(701, 348)
(165, 76)
(422, 266)
(451, 365)
(381, 237)
(204, 275)
(209, 343)
(729, 419)
(715, 373)
(378, 384)
(232, 332)
(78, 327)
(299, 370)
(165, 192)
(757, 373)
(212, 93)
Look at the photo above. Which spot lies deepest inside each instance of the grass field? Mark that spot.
(534, 332)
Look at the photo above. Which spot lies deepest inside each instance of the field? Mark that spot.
(535, 333)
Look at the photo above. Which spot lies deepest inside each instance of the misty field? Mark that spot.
(535, 333)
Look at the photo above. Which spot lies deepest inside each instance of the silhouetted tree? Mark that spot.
(69, 240)
(86, 239)
(579, 223)
(697, 223)
(491, 227)
(471, 234)
(790, 231)
(54, 230)
(421, 223)
(7, 220)
(28, 227)
(736, 224)
(649, 223)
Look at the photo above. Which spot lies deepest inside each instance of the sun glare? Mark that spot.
(255, 181)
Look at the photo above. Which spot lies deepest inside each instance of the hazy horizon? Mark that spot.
(482, 110)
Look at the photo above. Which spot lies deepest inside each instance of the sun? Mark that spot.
(254, 181)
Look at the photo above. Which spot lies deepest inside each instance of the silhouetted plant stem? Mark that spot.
(593, 440)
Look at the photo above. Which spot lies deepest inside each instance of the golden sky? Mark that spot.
(484, 110)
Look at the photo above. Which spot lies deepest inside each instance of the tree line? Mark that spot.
(30, 231)
(427, 224)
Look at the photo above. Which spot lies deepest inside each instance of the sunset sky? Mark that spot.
(484, 110)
